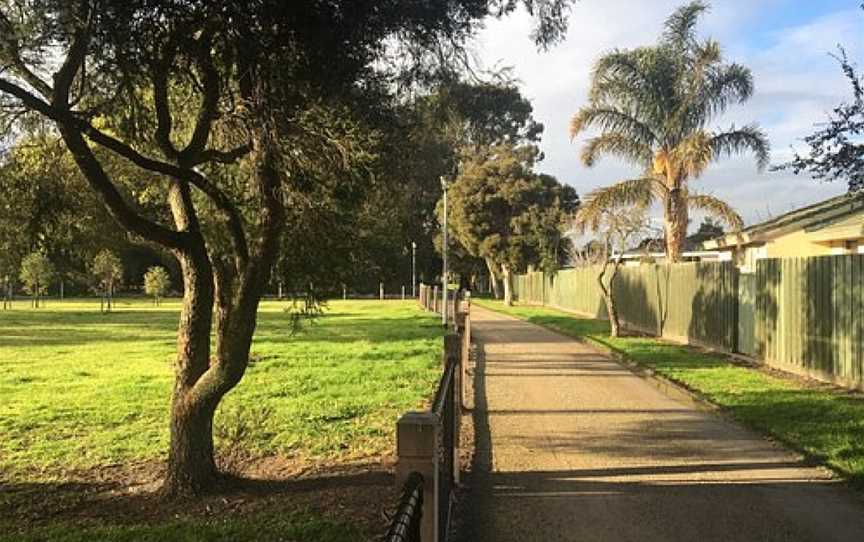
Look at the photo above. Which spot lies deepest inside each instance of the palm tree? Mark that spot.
(651, 106)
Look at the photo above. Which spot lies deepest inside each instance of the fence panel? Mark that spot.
(747, 314)
(809, 316)
(800, 314)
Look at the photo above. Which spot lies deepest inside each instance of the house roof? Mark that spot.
(813, 218)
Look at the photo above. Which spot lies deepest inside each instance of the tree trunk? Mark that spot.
(191, 463)
(508, 284)
(676, 218)
(493, 281)
(607, 291)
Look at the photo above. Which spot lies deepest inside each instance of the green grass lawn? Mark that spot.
(825, 424)
(81, 390)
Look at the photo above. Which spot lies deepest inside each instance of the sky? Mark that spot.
(786, 44)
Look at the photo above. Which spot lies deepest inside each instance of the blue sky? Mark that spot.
(786, 44)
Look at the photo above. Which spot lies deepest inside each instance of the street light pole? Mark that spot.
(445, 272)
(413, 269)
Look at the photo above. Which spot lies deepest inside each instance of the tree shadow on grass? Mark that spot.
(351, 495)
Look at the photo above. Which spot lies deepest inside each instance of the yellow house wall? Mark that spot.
(796, 244)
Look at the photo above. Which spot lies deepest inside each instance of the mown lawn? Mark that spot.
(825, 424)
(82, 391)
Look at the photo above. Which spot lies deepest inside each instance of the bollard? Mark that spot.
(416, 450)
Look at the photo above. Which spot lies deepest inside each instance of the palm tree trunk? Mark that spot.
(676, 222)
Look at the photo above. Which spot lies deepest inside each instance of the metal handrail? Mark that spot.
(405, 524)
(444, 386)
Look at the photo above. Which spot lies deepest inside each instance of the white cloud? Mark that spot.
(797, 84)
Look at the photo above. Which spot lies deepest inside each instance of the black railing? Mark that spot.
(428, 441)
(405, 524)
(444, 408)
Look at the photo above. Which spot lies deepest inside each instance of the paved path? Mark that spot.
(572, 446)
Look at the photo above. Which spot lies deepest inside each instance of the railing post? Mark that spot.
(464, 326)
(453, 354)
(417, 449)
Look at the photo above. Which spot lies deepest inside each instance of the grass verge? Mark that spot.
(825, 424)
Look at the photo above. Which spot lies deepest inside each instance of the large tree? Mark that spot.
(652, 106)
(205, 103)
(508, 215)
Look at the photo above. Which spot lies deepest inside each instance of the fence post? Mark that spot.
(416, 449)
(453, 354)
(381, 290)
(465, 331)
(403, 292)
(435, 299)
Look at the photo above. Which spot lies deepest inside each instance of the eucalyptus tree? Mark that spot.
(652, 106)
(506, 214)
(205, 103)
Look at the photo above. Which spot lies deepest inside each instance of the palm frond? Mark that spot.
(611, 120)
(717, 208)
(619, 145)
(623, 73)
(746, 138)
(725, 85)
(681, 25)
(638, 193)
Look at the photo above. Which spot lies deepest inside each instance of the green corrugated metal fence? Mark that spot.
(695, 302)
(801, 314)
(809, 315)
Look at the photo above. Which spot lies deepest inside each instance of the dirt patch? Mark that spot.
(359, 493)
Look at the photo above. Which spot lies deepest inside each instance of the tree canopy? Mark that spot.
(207, 128)
(506, 214)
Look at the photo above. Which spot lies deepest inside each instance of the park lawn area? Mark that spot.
(84, 393)
(825, 424)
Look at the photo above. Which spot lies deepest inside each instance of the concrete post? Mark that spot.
(344, 292)
(453, 354)
(381, 290)
(466, 355)
(416, 449)
(403, 292)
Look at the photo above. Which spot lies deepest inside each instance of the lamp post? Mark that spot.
(413, 269)
(445, 271)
